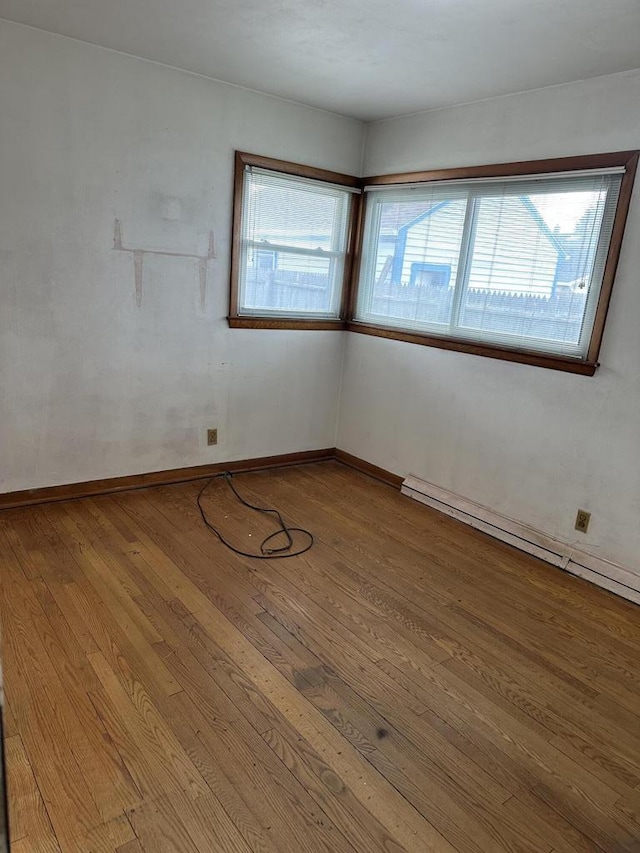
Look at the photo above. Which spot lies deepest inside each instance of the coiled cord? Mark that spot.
(266, 552)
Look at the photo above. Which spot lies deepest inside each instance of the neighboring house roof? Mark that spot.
(403, 215)
(419, 214)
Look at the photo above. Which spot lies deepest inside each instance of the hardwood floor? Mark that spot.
(407, 685)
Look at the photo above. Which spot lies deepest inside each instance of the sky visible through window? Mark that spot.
(563, 211)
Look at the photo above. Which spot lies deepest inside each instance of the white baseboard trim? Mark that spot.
(611, 576)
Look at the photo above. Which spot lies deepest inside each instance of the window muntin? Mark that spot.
(526, 256)
(293, 245)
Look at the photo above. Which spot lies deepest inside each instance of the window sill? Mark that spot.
(285, 323)
(569, 365)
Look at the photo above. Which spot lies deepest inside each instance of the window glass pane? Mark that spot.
(295, 233)
(291, 283)
(284, 210)
(531, 262)
(415, 247)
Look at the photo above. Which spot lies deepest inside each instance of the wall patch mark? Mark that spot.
(138, 261)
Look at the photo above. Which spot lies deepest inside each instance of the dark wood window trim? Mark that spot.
(243, 321)
(520, 356)
(586, 366)
(507, 170)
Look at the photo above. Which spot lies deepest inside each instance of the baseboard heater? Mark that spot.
(618, 579)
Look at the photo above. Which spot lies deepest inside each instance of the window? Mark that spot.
(512, 261)
(516, 266)
(291, 255)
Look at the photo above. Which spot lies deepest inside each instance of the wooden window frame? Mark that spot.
(586, 366)
(238, 321)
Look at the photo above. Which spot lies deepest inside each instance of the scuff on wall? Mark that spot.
(138, 262)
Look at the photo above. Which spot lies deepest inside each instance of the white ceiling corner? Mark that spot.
(366, 60)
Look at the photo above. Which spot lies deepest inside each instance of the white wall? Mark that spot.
(91, 385)
(529, 442)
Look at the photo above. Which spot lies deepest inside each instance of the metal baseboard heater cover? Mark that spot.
(618, 579)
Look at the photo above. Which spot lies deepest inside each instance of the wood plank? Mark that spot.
(28, 818)
(335, 798)
(143, 721)
(23, 845)
(159, 828)
(131, 847)
(281, 807)
(119, 602)
(109, 836)
(46, 721)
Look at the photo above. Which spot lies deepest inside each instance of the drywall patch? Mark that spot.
(138, 262)
(203, 268)
(137, 266)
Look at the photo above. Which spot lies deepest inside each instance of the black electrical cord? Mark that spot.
(266, 553)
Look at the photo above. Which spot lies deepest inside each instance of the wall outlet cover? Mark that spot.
(582, 520)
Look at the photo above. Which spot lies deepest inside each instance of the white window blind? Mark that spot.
(514, 262)
(294, 241)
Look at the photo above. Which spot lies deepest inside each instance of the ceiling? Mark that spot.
(369, 60)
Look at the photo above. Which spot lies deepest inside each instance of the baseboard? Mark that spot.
(50, 494)
(91, 488)
(368, 468)
(618, 579)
